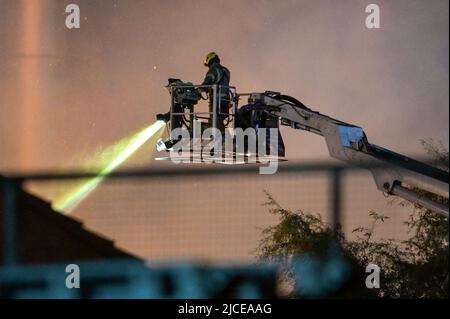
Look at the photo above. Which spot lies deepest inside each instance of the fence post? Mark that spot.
(11, 214)
(335, 193)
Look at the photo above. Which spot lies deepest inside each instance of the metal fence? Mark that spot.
(197, 228)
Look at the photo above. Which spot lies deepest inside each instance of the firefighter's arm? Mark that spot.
(212, 76)
(209, 78)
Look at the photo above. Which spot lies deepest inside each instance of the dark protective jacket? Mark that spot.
(217, 74)
(220, 75)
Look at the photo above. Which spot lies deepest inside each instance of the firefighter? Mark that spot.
(220, 75)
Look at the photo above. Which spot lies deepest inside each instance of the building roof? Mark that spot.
(49, 236)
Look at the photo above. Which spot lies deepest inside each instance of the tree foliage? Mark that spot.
(413, 268)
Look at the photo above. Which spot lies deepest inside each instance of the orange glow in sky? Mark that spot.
(30, 78)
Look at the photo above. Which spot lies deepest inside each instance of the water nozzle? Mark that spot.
(163, 117)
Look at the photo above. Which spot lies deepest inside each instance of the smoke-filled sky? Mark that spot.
(65, 93)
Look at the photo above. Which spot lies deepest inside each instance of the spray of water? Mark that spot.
(107, 161)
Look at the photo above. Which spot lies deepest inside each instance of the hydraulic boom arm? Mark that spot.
(394, 173)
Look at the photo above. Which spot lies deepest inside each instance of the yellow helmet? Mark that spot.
(210, 56)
